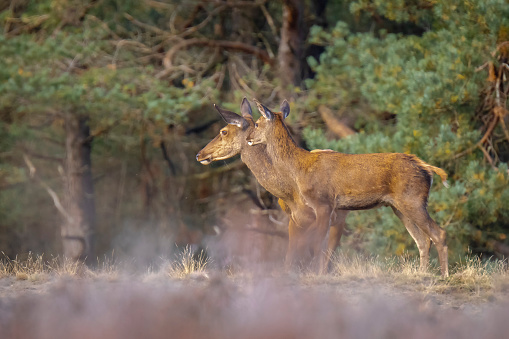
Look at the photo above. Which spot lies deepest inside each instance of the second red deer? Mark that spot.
(332, 181)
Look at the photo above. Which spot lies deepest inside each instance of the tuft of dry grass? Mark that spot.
(189, 264)
(31, 267)
(108, 268)
(473, 274)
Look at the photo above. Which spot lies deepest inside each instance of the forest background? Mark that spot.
(104, 105)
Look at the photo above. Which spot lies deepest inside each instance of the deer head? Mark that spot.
(265, 124)
(231, 138)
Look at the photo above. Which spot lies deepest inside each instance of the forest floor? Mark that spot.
(361, 298)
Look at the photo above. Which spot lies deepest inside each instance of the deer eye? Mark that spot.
(224, 132)
(256, 125)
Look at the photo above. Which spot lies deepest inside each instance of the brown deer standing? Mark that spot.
(328, 181)
(231, 141)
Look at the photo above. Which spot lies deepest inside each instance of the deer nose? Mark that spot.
(197, 156)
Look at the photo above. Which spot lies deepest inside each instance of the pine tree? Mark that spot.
(433, 93)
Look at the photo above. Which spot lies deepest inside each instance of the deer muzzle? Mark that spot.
(204, 160)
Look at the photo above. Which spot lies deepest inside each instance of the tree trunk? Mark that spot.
(318, 8)
(291, 45)
(78, 230)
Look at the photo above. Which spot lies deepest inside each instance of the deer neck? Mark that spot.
(260, 163)
(283, 151)
(255, 158)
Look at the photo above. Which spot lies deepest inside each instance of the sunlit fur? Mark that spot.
(227, 145)
(328, 181)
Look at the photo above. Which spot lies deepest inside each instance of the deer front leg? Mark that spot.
(318, 235)
(298, 252)
(338, 223)
(293, 245)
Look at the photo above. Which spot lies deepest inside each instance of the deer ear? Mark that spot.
(285, 108)
(232, 118)
(264, 110)
(245, 108)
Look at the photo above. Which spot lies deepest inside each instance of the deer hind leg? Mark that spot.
(338, 223)
(420, 217)
(421, 239)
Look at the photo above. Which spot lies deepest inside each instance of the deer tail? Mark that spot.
(441, 173)
(437, 170)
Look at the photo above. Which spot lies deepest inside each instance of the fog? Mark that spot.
(270, 307)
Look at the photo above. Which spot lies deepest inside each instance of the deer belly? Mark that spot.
(358, 201)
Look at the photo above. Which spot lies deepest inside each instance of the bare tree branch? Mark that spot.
(147, 26)
(159, 5)
(233, 45)
(53, 195)
(202, 24)
(334, 125)
(41, 156)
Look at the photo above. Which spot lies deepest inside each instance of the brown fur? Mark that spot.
(231, 141)
(331, 181)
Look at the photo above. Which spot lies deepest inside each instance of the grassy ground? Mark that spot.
(188, 298)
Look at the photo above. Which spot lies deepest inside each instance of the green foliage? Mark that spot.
(44, 79)
(430, 83)
(406, 72)
(66, 57)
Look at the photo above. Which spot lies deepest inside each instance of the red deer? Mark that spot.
(231, 141)
(328, 181)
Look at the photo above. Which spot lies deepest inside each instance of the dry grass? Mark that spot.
(189, 264)
(218, 308)
(363, 297)
(470, 276)
(31, 267)
(34, 267)
(475, 275)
